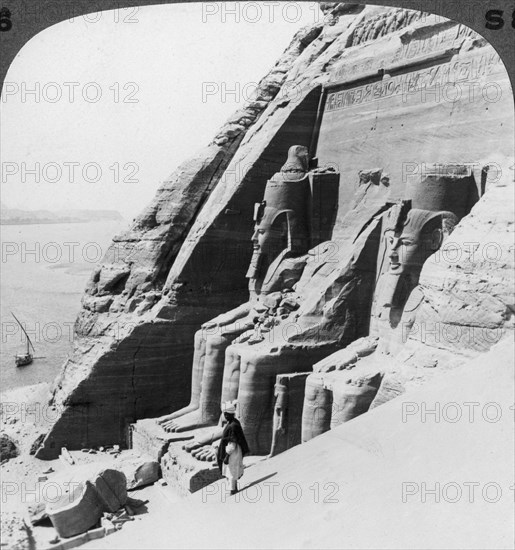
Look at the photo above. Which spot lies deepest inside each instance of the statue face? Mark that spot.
(270, 237)
(408, 251)
(403, 250)
(390, 240)
(261, 236)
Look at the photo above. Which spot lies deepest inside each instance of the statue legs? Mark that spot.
(318, 403)
(352, 395)
(196, 380)
(203, 448)
(231, 377)
(207, 371)
(335, 398)
(258, 372)
(250, 376)
(208, 411)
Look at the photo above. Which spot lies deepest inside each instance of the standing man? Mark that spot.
(233, 447)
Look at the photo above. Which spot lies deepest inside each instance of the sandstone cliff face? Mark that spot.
(468, 285)
(183, 260)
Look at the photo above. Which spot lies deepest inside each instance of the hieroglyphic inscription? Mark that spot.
(433, 43)
(407, 51)
(456, 71)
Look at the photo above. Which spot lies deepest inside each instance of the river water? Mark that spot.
(44, 269)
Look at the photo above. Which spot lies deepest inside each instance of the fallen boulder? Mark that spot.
(86, 492)
(37, 512)
(8, 448)
(37, 444)
(139, 471)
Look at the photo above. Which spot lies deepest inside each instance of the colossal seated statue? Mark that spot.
(410, 235)
(328, 308)
(280, 238)
(340, 293)
(327, 305)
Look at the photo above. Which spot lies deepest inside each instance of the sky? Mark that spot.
(97, 111)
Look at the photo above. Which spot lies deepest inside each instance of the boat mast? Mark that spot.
(29, 343)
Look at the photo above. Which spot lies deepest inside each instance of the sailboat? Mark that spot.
(22, 359)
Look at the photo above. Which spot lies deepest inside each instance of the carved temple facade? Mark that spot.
(297, 285)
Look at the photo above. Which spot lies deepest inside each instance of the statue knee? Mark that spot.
(199, 339)
(217, 343)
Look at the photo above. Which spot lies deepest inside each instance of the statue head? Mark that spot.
(392, 227)
(422, 234)
(270, 237)
(438, 196)
(409, 245)
(281, 219)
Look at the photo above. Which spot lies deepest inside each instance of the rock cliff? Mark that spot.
(183, 260)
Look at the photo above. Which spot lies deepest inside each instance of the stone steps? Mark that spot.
(148, 438)
(181, 471)
(186, 474)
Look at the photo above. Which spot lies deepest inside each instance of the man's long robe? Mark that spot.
(232, 433)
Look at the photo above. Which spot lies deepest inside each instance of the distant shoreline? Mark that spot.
(18, 216)
(54, 222)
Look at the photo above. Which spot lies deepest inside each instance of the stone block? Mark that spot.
(37, 512)
(8, 448)
(108, 526)
(86, 493)
(272, 300)
(36, 444)
(149, 439)
(98, 533)
(289, 303)
(139, 471)
(79, 540)
(186, 474)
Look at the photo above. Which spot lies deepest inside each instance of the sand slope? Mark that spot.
(360, 469)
